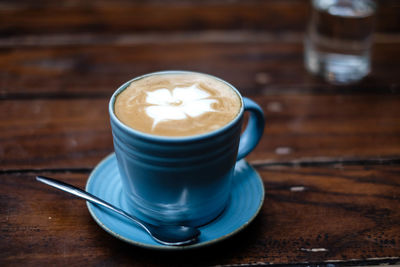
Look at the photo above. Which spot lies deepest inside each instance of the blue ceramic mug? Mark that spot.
(182, 180)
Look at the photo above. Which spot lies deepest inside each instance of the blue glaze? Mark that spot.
(247, 196)
(182, 180)
(254, 130)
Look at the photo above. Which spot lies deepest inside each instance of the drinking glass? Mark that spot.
(337, 45)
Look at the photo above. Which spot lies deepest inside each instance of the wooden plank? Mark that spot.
(58, 133)
(319, 214)
(42, 17)
(325, 127)
(132, 16)
(312, 214)
(75, 133)
(261, 67)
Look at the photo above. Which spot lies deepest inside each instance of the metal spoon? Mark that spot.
(172, 235)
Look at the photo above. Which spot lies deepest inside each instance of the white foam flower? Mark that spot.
(181, 103)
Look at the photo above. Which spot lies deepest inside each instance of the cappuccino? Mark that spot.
(177, 104)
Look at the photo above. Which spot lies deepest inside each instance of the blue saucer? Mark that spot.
(246, 200)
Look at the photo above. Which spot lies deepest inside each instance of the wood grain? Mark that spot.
(352, 213)
(75, 133)
(54, 133)
(261, 67)
(47, 17)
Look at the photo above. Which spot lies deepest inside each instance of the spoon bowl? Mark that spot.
(170, 235)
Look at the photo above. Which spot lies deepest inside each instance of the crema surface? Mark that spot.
(181, 104)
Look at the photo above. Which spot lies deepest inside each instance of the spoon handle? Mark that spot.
(86, 195)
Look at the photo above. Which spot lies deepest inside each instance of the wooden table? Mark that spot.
(329, 158)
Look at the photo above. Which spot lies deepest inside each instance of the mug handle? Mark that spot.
(254, 130)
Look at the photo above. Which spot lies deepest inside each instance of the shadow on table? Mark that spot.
(220, 253)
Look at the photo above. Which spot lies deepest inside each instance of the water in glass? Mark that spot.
(338, 39)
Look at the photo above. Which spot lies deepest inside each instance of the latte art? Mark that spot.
(181, 104)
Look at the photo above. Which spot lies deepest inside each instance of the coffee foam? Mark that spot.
(177, 104)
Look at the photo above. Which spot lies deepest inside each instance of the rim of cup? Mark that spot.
(172, 138)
